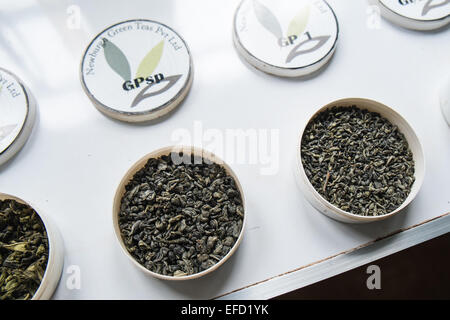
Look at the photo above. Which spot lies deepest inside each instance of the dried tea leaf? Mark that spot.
(21, 246)
(23, 251)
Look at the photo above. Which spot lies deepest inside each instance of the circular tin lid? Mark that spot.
(416, 14)
(137, 70)
(17, 115)
(288, 38)
(444, 99)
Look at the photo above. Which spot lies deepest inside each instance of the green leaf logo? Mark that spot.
(150, 61)
(116, 59)
(300, 21)
(429, 6)
(267, 19)
(6, 130)
(118, 62)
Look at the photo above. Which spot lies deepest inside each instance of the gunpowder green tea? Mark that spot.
(179, 219)
(357, 160)
(23, 251)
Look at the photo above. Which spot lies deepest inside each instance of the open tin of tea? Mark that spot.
(370, 184)
(55, 251)
(179, 213)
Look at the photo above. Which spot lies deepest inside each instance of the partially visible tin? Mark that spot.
(287, 38)
(416, 14)
(17, 115)
(136, 70)
(444, 99)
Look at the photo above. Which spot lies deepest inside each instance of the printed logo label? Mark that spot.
(287, 33)
(13, 110)
(419, 9)
(136, 66)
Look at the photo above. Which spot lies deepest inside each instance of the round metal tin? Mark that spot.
(416, 14)
(17, 115)
(137, 70)
(287, 38)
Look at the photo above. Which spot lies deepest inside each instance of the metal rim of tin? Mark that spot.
(292, 72)
(27, 127)
(410, 23)
(140, 116)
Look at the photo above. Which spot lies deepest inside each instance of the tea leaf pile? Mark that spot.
(180, 219)
(23, 251)
(357, 160)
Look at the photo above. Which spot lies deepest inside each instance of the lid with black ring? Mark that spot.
(287, 38)
(17, 115)
(137, 70)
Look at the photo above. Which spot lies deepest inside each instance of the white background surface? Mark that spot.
(76, 157)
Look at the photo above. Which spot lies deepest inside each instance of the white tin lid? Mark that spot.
(288, 38)
(137, 70)
(416, 14)
(17, 115)
(444, 99)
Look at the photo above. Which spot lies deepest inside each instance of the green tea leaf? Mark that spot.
(267, 19)
(20, 246)
(300, 21)
(150, 61)
(23, 251)
(116, 59)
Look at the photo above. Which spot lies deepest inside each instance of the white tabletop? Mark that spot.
(76, 156)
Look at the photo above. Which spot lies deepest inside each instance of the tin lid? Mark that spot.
(288, 38)
(17, 115)
(417, 14)
(137, 70)
(444, 99)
